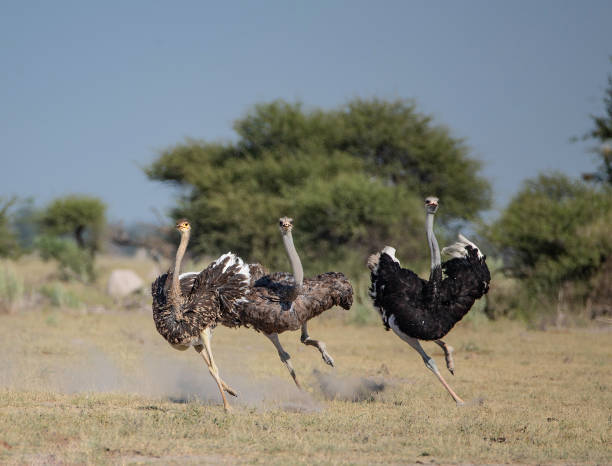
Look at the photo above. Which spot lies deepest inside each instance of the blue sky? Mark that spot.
(91, 92)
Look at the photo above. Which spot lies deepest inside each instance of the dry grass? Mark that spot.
(105, 388)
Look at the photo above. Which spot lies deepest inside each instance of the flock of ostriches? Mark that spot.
(188, 306)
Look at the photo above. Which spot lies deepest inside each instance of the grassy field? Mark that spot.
(104, 387)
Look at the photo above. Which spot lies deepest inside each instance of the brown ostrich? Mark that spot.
(187, 307)
(280, 301)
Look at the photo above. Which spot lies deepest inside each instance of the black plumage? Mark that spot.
(428, 310)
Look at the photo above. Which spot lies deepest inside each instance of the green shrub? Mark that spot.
(73, 261)
(554, 236)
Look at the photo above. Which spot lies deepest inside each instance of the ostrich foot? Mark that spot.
(320, 345)
(326, 357)
(229, 389)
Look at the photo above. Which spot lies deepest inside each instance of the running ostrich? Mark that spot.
(416, 309)
(187, 307)
(280, 301)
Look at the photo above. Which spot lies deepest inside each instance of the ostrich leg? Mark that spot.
(212, 367)
(431, 365)
(429, 362)
(284, 356)
(448, 355)
(226, 387)
(305, 338)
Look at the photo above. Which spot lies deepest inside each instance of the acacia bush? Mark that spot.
(82, 217)
(555, 237)
(353, 179)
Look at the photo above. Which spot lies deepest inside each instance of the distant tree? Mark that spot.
(353, 179)
(82, 217)
(602, 132)
(8, 240)
(25, 220)
(555, 230)
(71, 229)
(397, 144)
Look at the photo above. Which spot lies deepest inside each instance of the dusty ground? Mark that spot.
(104, 387)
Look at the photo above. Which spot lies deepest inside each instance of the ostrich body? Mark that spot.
(188, 306)
(417, 309)
(280, 301)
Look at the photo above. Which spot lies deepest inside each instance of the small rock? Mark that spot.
(123, 282)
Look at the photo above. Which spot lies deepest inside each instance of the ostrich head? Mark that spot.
(285, 224)
(431, 204)
(183, 225)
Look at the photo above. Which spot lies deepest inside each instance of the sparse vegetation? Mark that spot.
(105, 388)
(59, 296)
(11, 287)
(87, 382)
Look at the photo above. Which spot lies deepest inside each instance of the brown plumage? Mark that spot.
(187, 307)
(267, 311)
(279, 302)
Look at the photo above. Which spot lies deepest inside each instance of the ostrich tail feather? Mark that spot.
(459, 250)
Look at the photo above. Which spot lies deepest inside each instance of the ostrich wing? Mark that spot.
(399, 292)
(207, 298)
(467, 279)
(266, 311)
(279, 286)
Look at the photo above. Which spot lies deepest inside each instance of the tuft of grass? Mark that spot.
(59, 296)
(11, 288)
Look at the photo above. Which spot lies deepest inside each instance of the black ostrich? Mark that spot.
(417, 309)
(188, 306)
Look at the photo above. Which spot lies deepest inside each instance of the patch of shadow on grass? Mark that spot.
(356, 389)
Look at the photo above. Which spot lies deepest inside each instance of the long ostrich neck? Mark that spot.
(175, 289)
(296, 264)
(433, 243)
